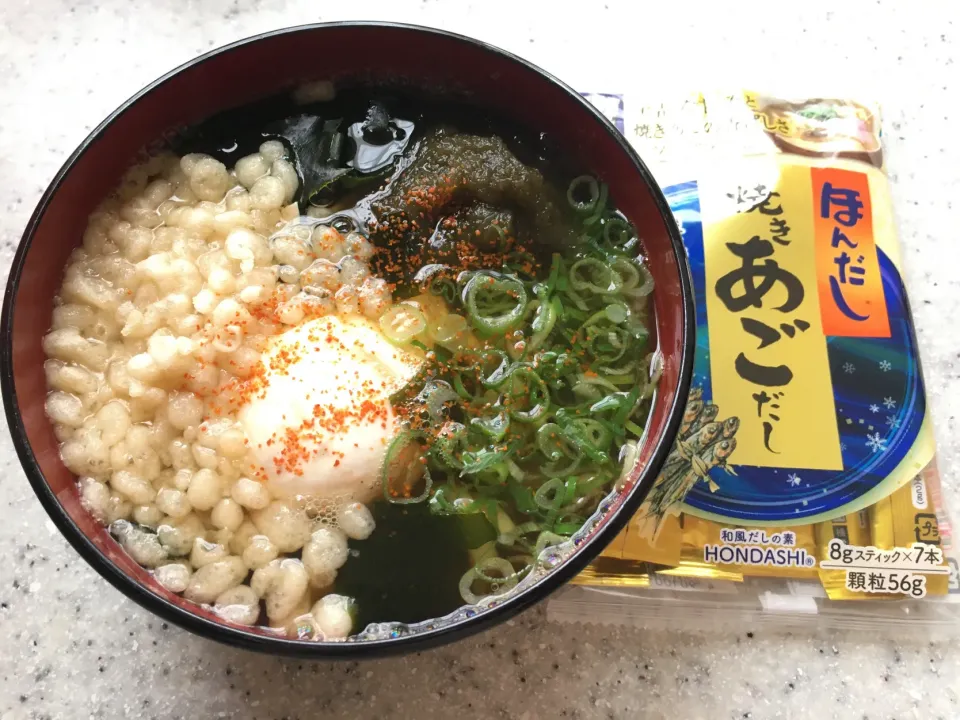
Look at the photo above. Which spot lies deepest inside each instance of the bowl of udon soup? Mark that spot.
(346, 339)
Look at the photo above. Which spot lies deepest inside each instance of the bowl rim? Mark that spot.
(421, 640)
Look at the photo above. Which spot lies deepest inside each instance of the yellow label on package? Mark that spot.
(806, 444)
(800, 362)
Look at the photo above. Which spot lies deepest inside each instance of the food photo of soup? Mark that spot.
(350, 356)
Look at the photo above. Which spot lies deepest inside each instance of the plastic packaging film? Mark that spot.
(802, 488)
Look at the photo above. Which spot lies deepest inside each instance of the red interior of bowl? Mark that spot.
(247, 72)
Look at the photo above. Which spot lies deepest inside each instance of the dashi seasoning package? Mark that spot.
(806, 451)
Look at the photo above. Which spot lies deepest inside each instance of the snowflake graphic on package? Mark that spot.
(849, 368)
(885, 365)
(793, 480)
(893, 422)
(889, 403)
(874, 408)
(876, 443)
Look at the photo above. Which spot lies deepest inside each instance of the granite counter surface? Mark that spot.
(73, 647)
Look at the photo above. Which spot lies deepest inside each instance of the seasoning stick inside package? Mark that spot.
(806, 451)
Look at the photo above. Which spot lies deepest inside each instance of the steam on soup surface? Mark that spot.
(348, 361)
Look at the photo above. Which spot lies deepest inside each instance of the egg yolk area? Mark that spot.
(317, 416)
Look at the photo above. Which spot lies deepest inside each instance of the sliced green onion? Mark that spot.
(444, 287)
(588, 484)
(499, 287)
(518, 532)
(401, 323)
(620, 402)
(617, 233)
(578, 301)
(545, 540)
(479, 460)
(580, 185)
(558, 469)
(515, 471)
(436, 395)
(493, 572)
(504, 524)
(464, 278)
(392, 489)
(657, 370)
(550, 441)
(643, 289)
(629, 405)
(555, 446)
(628, 457)
(499, 361)
(520, 263)
(543, 323)
(592, 275)
(580, 436)
(522, 497)
(556, 268)
(598, 318)
(599, 382)
(460, 388)
(607, 345)
(616, 312)
(624, 370)
(441, 504)
(466, 587)
(588, 392)
(524, 382)
(494, 427)
(601, 206)
(498, 572)
(484, 552)
(541, 306)
(490, 481)
(615, 401)
(448, 328)
(502, 240)
(598, 435)
(568, 525)
(628, 272)
(549, 496)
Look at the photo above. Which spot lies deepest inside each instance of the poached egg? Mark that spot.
(320, 424)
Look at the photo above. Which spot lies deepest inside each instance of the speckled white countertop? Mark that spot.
(72, 647)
